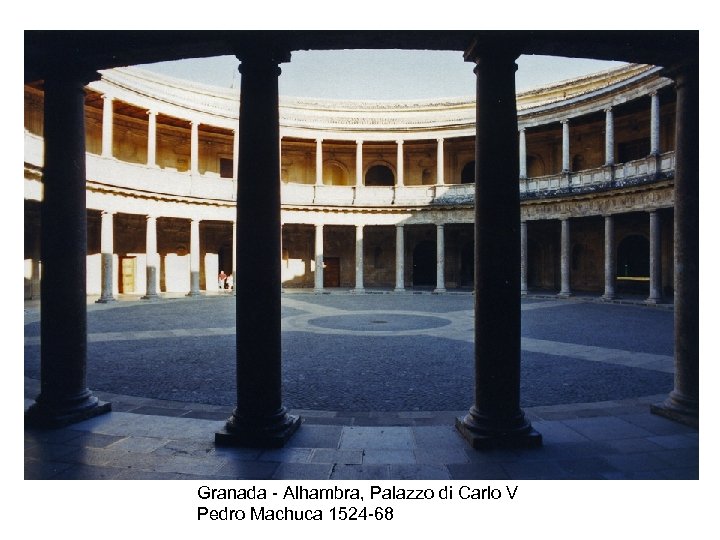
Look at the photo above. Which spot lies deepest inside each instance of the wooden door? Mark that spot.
(331, 272)
(127, 274)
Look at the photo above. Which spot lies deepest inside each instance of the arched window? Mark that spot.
(578, 162)
(467, 176)
(535, 166)
(379, 175)
(335, 174)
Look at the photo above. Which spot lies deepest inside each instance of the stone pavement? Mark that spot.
(596, 438)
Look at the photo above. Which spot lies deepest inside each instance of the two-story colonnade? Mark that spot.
(375, 195)
(137, 183)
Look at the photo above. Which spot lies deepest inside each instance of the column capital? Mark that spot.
(151, 112)
(564, 120)
(608, 108)
(318, 140)
(521, 129)
(653, 93)
(400, 142)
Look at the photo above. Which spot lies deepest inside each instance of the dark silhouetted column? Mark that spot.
(683, 402)
(523, 256)
(64, 397)
(495, 419)
(259, 419)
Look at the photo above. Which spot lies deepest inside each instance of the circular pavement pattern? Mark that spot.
(379, 322)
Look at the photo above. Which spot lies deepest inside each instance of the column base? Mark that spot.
(358, 291)
(679, 409)
(562, 294)
(440, 290)
(654, 301)
(321, 291)
(608, 297)
(105, 300)
(523, 293)
(40, 415)
(150, 297)
(193, 293)
(272, 434)
(399, 289)
(495, 437)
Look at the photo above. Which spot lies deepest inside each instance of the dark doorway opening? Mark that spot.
(331, 271)
(467, 265)
(425, 264)
(467, 176)
(633, 265)
(379, 175)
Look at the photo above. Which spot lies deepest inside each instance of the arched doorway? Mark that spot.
(633, 264)
(425, 264)
(379, 175)
(467, 176)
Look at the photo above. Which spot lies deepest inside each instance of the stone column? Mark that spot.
(440, 162)
(359, 259)
(523, 154)
(654, 124)
(358, 163)
(609, 137)
(318, 162)
(152, 258)
(64, 396)
(565, 258)
(106, 258)
(236, 152)
(259, 418)
(194, 257)
(495, 418)
(399, 258)
(655, 296)
(152, 139)
(194, 144)
(400, 164)
(440, 259)
(523, 257)
(107, 127)
(565, 145)
(610, 263)
(683, 402)
(319, 264)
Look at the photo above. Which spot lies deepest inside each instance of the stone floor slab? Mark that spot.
(386, 438)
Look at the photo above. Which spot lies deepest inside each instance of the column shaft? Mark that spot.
(400, 164)
(523, 154)
(107, 127)
(440, 258)
(234, 256)
(151, 258)
(565, 146)
(194, 258)
(358, 163)
(359, 259)
(655, 296)
(318, 162)
(495, 419)
(610, 263)
(152, 139)
(523, 257)
(259, 418)
(609, 137)
(564, 258)
(440, 162)
(319, 264)
(654, 124)
(64, 397)
(194, 147)
(106, 258)
(399, 258)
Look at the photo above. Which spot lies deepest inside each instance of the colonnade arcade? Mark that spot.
(502, 241)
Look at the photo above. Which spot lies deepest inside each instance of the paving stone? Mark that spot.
(287, 455)
(641, 462)
(190, 465)
(477, 471)
(89, 472)
(43, 470)
(360, 472)
(330, 455)
(316, 436)
(593, 468)
(419, 472)
(657, 425)
(139, 445)
(681, 473)
(430, 454)
(536, 470)
(606, 428)
(679, 456)
(558, 432)
(302, 471)
(674, 441)
(438, 437)
(248, 470)
(377, 456)
(377, 438)
(626, 446)
(95, 440)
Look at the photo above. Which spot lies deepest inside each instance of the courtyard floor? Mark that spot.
(378, 380)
